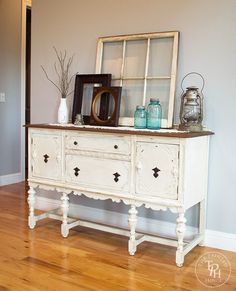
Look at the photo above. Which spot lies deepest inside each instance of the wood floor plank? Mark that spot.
(88, 259)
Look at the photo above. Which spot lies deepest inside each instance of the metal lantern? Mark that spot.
(191, 108)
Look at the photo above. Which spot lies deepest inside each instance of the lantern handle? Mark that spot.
(203, 81)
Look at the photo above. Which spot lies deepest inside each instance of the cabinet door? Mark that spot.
(46, 156)
(98, 173)
(157, 169)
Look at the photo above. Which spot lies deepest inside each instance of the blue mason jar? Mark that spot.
(154, 114)
(140, 117)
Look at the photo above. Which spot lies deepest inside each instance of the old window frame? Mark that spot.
(102, 41)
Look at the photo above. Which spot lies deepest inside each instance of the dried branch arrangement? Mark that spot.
(62, 69)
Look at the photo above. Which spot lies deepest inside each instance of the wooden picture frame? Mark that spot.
(98, 92)
(80, 81)
(145, 65)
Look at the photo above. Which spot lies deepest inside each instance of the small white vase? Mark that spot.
(63, 116)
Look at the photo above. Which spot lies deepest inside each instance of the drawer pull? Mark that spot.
(76, 171)
(116, 146)
(75, 142)
(156, 170)
(46, 157)
(117, 175)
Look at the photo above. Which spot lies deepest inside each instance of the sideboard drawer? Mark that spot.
(157, 169)
(98, 143)
(97, 173)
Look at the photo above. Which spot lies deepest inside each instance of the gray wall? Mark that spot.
(207, 45)
(10, 58)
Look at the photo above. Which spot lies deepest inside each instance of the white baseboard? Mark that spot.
(220, 240)
(213, 239)
(11, 179)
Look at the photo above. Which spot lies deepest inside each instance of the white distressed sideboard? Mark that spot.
(165, 169)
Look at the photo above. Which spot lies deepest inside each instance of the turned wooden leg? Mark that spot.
(65, 210)
(202, 221)
(31, 202)
(132, 223)
(180, 230)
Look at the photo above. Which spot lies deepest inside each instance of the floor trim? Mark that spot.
(220, 240)
(214, 239)
(11, 179)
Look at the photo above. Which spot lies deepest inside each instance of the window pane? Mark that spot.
(112, 58)
(159, 89)
(160, 57)
(132, 95)
(135, 58)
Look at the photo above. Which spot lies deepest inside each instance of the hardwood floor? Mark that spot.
(41, 259)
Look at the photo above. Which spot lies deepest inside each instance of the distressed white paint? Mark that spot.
(31, 202)
(65, 209)
(214, 239)
(49, 145)
(96, 178)
(166, 183)
(132, 224)
(180, 231)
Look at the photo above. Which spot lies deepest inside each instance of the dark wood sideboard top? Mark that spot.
(123, 130)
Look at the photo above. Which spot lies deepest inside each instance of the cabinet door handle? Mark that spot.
(117, 175)
(46, 157)
(75, 142)
(156, 170)
(115, 146)
(76, 173)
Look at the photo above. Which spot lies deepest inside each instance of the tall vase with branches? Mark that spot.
(64, 79)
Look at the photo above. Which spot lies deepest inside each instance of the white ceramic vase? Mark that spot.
(63, 116)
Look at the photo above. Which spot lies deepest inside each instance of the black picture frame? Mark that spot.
(82, 79)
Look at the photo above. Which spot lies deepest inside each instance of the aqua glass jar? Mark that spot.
(154, 114)
(140, 117)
